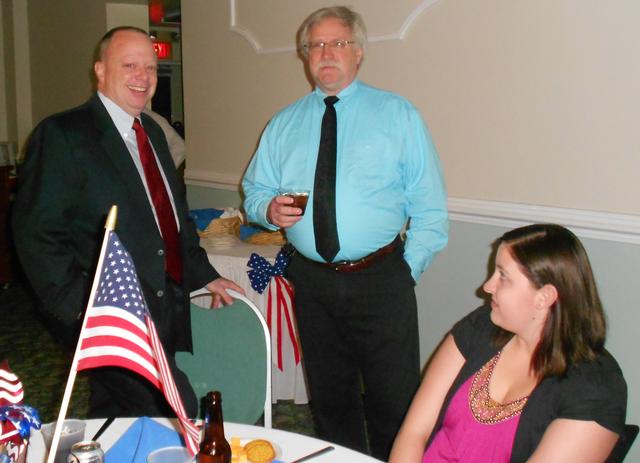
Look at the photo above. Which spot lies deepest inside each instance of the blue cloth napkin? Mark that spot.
(143, 437)
(202, 217)
(247, 230)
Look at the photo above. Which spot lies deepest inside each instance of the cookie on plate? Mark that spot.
(259, 451)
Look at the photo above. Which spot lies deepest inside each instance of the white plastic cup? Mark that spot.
(170, 455)
(72, 433)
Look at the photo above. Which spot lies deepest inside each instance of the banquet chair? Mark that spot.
(231, 354)
(624, 444)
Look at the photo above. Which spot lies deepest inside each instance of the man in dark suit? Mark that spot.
(79, 163)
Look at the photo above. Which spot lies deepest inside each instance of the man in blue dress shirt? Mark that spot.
(356, 311)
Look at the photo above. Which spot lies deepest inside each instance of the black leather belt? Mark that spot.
(350, 266)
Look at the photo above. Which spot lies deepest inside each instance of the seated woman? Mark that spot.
(527, 379)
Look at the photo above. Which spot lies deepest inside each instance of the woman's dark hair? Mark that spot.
(575, 329)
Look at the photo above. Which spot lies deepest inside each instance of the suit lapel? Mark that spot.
(116, 151)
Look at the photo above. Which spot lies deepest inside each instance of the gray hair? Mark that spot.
(347, 16)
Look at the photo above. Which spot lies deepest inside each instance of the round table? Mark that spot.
(293, 445)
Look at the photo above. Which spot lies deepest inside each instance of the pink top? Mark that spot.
(464, 439)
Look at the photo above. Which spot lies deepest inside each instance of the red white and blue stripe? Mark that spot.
(119, 332)
(11, 391)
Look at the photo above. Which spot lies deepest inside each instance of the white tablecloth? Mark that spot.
(293, 446)
(231, 262)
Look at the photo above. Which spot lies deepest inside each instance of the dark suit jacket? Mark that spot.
(77, 167)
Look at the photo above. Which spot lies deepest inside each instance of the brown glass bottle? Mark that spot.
(214, 448)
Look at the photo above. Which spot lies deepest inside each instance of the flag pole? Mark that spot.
(109, 226)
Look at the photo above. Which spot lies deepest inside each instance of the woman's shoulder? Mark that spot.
(473, 331)
(589, 391)
(477, 320)
(592, 390)
(600, 374)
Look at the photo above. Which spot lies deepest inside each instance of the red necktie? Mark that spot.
(161, 203)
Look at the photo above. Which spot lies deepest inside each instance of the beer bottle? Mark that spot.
(214, 448)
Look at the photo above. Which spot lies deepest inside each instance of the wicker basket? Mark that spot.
(276, 238)
(226, 226)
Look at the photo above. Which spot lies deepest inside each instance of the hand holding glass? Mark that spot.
(300, 198)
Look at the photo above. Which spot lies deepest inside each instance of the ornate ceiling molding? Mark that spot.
(236, 26)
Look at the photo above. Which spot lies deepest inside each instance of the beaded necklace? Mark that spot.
(486, 410)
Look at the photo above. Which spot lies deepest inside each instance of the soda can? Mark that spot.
(87, 451)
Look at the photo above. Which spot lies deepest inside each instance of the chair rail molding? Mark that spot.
(251, 36)
(621, 228)
(208, 179)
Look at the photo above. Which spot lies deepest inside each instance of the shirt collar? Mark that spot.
(344, 95)
(122, 119)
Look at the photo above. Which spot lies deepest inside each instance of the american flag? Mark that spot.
(119, 332)
(11, 391)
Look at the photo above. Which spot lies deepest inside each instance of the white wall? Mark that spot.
(122, 14)
(532, 105)
(22, 72)
(530, 102)
(450, 288)
(51, 62)
(4, 130)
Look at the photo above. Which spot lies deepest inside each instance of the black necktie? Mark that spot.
(324, 187)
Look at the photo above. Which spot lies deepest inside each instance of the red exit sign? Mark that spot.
(163, 49)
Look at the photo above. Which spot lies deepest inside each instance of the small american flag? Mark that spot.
(119, 332)
(11, 391)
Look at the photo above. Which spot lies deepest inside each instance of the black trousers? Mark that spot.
(120, 392)
(353, 327)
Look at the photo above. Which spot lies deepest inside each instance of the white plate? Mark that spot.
(245, 440)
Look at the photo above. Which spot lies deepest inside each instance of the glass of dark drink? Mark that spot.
(300, 198)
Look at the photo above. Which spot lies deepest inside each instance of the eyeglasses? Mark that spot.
(334, 45)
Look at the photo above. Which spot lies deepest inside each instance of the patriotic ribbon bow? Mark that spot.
(263, 271)
(263, 275)
(23, 417)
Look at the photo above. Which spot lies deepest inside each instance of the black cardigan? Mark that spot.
(594, 391)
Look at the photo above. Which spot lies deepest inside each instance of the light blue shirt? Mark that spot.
(387, 172)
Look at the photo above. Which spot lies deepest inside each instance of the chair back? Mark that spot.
(624, 444)
(231, 354)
